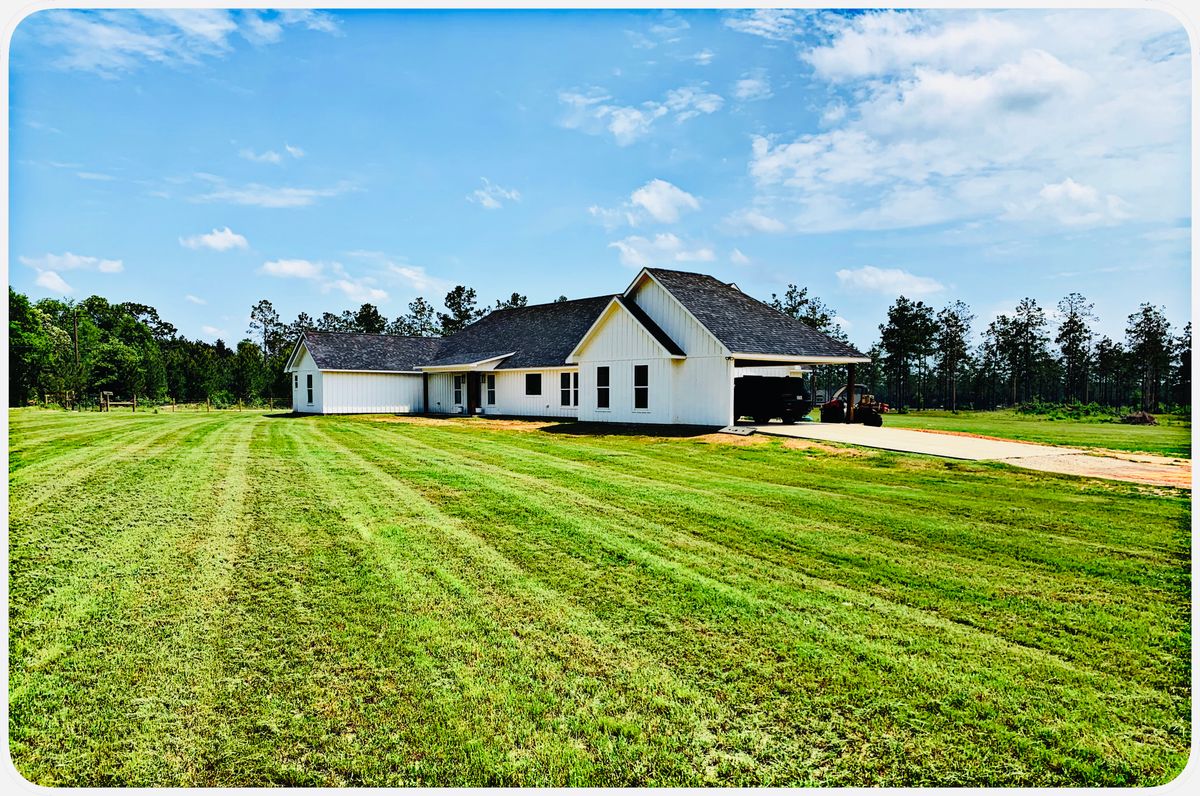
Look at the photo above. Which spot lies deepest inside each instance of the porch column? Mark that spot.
(850, 393)
(424, 392)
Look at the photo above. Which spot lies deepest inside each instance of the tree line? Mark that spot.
(66, 351)
(925, 358)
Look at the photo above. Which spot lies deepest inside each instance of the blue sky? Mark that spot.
(201, 160)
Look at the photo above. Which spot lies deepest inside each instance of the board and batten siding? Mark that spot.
(702, 384)
(350, 392)
(305, 367)
(510, 394)
(620, 344)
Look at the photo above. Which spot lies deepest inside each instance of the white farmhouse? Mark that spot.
(667, 350)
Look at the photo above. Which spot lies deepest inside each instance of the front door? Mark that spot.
(472, 393)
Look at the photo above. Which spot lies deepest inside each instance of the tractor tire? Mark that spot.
(761, 420)
(833, 413)
(873, 419)
(788, 420)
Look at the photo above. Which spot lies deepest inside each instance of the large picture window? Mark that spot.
(602, 387)
(310, 389)
(458, 381)
(641, 386)
(569, 388)
(491, 389)
(533, 384)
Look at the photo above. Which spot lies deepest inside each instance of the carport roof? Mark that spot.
(745, 325)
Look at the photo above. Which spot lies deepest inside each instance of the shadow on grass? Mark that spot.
(627, 430)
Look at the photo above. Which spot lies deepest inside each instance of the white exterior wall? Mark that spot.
(702, 384)
(620, 344)
(510, 394)
(303, 368)
(345, 392)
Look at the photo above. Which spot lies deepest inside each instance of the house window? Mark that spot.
(602, 387)
(533, 384)
(491, 389)
(641, 386)
(569, 388)
(458, 380)
(310, 389)
(296, 380)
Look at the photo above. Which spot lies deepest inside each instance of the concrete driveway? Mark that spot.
(1138, 468)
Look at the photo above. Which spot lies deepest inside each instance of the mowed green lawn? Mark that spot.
(231, 598)
(1172, 437)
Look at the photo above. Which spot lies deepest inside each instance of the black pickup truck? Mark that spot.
(762, 398)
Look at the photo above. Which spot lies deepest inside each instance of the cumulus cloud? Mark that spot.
(492, 196)
(218, 240)
(957, 116)
(638, 252)
(888, 281)
(594, 111)
(73, 262)
(703, 57)
(663, 201)
(413, 277)
(770, 23)
(270, 156)
(657, 200)
(747, 221)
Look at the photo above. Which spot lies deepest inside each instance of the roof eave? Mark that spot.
(801, 359)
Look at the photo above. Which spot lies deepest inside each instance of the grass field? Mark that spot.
(231, 598)
(1172, 437)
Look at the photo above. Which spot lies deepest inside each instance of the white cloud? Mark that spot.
(492, 196)
(94, 175)
(657, 200)
(114, 42)
(294, 151)
(960, 116)
(703, 57)
(258, 195)
(414, 277)
(194, 299)
(638, 252)
(770, 23)
(1071, 204)
(358, 289)
(73, 262)
(753, 86)
(664, 201)
(594, 113)
(218, 240)
(738, 258)
(52, 282)
(292, 269)
(212, 331)
(270, 156)
(747, 221)
(889, 281)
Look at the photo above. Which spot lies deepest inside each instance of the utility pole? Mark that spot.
(75, 319)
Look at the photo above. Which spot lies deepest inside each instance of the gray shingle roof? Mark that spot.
(541, 335)
(744, 324)
(465, 358)
(354, 351)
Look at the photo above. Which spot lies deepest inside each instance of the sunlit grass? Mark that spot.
(237, 599)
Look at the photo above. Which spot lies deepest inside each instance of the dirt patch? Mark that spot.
(737, 440)
(795, 443)
(976, 436)
(1149, 470)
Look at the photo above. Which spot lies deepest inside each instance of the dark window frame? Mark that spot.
(641, 388)
(458, 390)
(532, 381)
(310, 389)
(603, 381)
(491, 389)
